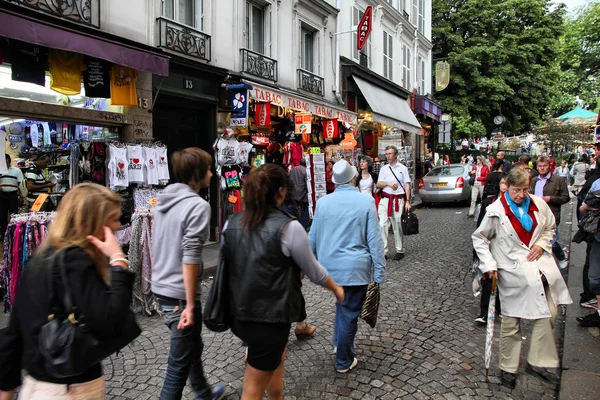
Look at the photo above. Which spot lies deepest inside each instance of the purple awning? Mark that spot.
(30, 31)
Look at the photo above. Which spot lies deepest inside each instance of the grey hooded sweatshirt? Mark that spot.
(180, 228)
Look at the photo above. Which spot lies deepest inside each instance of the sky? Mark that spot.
(573, 4)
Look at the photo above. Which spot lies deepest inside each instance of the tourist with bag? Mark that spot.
(477, 175)
(80, 264)
(265, 252)
(346, 239)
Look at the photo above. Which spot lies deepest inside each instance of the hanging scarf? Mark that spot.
(525, 219)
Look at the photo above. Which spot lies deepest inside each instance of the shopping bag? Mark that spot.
(371, 305)
(216, 311)
(410, 223)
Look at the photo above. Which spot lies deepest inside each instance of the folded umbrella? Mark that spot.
(489, 335)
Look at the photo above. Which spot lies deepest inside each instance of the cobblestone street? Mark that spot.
(425, 345)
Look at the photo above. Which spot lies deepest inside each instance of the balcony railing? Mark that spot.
(259, 65)
(85, 12)
(364, 59)
(310, 82)
(183, 39)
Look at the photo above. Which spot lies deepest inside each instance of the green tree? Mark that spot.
(465, 127)
(501, 55)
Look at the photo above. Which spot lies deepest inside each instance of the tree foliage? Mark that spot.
(557, 134)
(501, 55)
(577, 69)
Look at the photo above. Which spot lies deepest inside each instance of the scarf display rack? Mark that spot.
(140, 260)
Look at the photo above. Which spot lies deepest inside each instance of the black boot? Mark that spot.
(509, 380)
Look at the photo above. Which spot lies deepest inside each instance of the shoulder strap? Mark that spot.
(399, 181)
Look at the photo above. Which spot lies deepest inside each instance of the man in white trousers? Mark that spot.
(395, 181)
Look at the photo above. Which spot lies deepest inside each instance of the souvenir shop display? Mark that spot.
(140, 260)
(23, 235)
(315, 180)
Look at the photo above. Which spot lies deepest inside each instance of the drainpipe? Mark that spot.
(336, 89)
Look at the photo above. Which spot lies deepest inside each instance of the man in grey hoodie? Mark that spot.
(181, 226)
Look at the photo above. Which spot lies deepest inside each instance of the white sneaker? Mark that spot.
(481, 320)
(563, 264)
(343, 371)
(334, 349)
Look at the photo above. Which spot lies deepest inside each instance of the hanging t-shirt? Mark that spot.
(227, 151)
(46, 133)
(244, 149)
(96, 77)
(33, 132)
(136, 164)
(150, 166)
(29, 62)
(122, 86)
(65, 71)
(85, 162)
(232, 175)
(98, 162)
(118, 173)
(163, 165)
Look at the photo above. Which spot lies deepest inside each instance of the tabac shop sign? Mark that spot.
(295, 103)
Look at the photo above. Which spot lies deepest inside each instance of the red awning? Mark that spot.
(40, 33)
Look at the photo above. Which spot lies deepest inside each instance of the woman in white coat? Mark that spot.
(513, 243)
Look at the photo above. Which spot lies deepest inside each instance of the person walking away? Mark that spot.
(578, 172)
(345, 238)
(593, 319)
(266, 251)
(395, 181)
(367, 179)
(181, 227)
(81, 237)
(554, 191)
(563, 172)
(492, 180)
(36, 182)
(507, 164)
(298, 176)
(486, 284)
(587, 299)
(11, 187)
(513, 244)
(480, 171)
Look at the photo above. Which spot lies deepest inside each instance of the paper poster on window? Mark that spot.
(303, 123)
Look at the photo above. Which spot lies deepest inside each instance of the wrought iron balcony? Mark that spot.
(85, 12)
(183, 39)
(259, 65)
(310, 82)
(364, 59)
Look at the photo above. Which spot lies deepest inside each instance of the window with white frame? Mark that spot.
(421, 76)
(255, 27)
(187, 12)
(309, 49)
(357, 15)
(388, 56)
(406, 67)
(417, 15)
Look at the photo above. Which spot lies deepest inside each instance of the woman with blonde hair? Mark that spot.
(82, 245)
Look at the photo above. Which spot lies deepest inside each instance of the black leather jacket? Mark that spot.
(264, 284)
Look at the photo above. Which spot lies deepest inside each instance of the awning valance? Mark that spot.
(27, 30)
(388, 108)
(283, 98)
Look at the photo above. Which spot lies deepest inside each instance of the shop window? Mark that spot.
(309, 54)
(388, 56)
(406, 66)
(187, 12)
(255, 27)
(366, 51)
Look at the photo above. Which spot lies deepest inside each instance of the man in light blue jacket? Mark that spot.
(346, 239)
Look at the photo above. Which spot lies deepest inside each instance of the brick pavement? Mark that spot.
(425, 345)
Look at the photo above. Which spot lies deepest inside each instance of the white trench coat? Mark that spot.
(519, 281)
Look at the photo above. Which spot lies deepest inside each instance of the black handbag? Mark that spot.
(370, 307)
(410, 223)
(216, 312)
(66, 345)
(472, 180)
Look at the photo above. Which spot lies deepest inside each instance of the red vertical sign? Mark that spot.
(263, 114)
(364, 27)
(330, 129)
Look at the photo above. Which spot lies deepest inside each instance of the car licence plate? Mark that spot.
(440, 184)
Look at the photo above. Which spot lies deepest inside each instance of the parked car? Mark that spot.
(447, 183)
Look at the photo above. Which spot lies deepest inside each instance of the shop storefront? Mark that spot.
(428, 114)
(384, 115)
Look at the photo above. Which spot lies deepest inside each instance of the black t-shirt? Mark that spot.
(96, 78)
(232, 175)
(28, 62)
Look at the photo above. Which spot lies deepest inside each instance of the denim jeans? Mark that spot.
(556, 249)
(185, 354)
(346, 324)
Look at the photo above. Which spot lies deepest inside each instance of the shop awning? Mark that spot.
(27, 30)
(285, 98)
(388, 108)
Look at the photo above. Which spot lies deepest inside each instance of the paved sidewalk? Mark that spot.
(581, 369)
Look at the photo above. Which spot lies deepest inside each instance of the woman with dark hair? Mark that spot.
(329, 185)
(266, 251)
(366, 181)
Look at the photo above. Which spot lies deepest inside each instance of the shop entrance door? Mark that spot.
(181, 123)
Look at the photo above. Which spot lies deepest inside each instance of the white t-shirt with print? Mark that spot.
(150, 166)
(135, 159)
(118, 168)
(163, 165)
